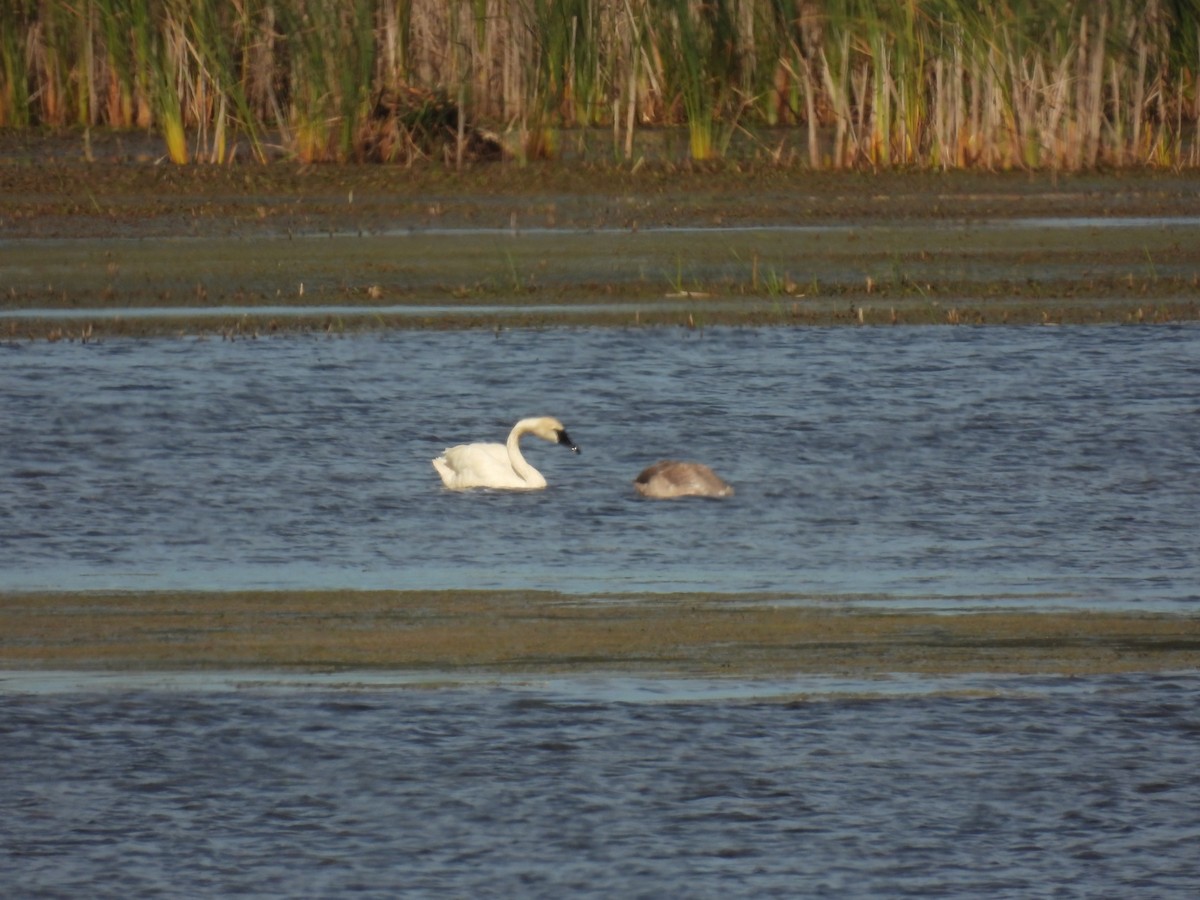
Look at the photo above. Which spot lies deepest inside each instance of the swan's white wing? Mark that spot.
(478, 465)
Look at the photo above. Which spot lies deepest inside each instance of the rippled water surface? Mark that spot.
(948, 465)
(1020, 788)
(945, 466)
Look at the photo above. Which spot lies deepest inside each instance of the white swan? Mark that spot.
(500, 465)
(671, 478)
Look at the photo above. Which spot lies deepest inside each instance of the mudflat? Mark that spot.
(522, 632)
(99, 249)
(102, 248)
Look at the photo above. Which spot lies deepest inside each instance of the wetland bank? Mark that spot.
(444, 635)
(121, 248)
(118, 249)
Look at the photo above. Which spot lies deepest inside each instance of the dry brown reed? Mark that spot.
(921, 83)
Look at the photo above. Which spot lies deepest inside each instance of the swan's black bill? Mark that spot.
(564, 438)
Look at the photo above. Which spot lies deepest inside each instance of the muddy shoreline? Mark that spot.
(87, 250)
(49, 190)
(516, 633)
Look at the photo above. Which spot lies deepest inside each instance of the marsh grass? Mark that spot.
(443, 632)
(921, 83)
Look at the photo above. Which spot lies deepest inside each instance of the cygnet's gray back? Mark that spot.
(671, 478)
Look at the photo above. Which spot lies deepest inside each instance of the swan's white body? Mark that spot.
(500, 466)
(671, 478)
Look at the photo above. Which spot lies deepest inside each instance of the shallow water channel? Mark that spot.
(911, 466)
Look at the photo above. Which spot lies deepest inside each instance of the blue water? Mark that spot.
(916, 466)
(1018, 788)
(952, 468)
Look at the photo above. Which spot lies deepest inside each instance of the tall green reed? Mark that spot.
(569, 43)
(15, 25)
(927, 83)
(122, 95)
(222, 42)
(330, 59)
(700, 65)
(160, 48)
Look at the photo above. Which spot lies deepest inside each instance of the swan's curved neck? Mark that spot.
(524, 470)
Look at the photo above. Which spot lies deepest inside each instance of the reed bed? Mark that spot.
(830, 83)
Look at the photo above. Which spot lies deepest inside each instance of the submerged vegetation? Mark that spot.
(850, 84)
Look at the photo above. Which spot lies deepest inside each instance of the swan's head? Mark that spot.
(550, 429)
(559, 435)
